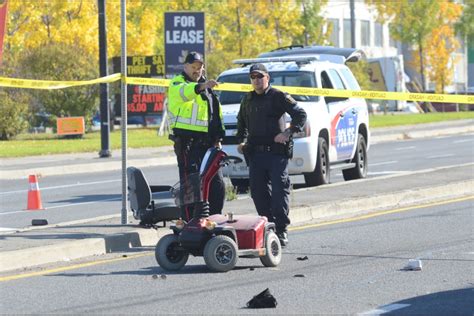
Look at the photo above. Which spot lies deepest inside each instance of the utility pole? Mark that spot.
(353, 23)
(123, 103)
(104, 87)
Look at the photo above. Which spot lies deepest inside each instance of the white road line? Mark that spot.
(7, 229)
(385, 309)
(63, 186)
(12, 212)
(440, 156)
(84, 203)
(463, 141)
(386, 172)
(405, 148)
(64, 205)
(383, 163)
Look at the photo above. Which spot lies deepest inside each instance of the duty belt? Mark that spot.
(274, 148)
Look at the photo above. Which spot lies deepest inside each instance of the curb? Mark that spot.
(67, 251)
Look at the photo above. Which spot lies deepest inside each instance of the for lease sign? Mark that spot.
(184, 32)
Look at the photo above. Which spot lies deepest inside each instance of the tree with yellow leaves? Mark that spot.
(411, 22)
(441, 45)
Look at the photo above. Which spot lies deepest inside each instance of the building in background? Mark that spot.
(393, 57)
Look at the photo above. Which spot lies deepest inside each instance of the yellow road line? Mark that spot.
(72, 267)
(148, 253)
(398, 210)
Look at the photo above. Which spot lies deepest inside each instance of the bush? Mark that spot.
(62, 62)
(13, 113)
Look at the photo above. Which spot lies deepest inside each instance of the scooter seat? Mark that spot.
(150, 204)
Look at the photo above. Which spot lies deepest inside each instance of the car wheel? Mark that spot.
(168, 253)
(272, 256)
(321, 173)
(241, 185)
(360, 160)
(220, 253)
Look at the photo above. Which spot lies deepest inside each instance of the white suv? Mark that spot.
(336, 134)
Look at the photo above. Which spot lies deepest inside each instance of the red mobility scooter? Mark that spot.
(220, 239)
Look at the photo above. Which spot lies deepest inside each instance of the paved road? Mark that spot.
(87, 195)
(353, 266)
(91, 237)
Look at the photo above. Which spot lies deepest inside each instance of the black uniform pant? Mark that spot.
(270, 187)
(190, 153)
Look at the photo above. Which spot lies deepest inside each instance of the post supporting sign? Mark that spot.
(184, 33)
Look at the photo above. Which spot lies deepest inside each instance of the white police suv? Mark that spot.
(336, 134)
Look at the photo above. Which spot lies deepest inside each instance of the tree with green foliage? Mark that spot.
(465, 26)
(411, 22)
(56, 61)
(313, 22)
(13, 113)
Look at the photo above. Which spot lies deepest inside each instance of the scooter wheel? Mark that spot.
(220, 253)
(168, 254)
(272, 256)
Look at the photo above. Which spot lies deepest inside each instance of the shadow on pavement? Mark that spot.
(453, 302)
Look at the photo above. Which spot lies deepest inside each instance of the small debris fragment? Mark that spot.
(124, 256)
(154, 277)
(262, 300)
(163, 277)
(413, 265)
(299, 276)
(251, 269)
(39, 222)
(302, 258)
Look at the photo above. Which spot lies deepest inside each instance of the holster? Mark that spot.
(247, 150)
(289, 148)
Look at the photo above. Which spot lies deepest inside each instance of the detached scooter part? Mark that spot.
(220, 239)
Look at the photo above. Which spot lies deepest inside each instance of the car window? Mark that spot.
(350, 79)
(229, 97)
(295, 79)
(336, 80)
(330, 79)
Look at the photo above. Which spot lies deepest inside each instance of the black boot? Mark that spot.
(283, 236)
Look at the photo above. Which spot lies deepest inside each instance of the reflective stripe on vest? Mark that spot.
(193, 120)
(183, 96)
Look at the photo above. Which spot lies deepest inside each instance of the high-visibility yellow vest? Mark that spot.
(186, 109)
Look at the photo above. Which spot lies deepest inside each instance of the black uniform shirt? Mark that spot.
(261, 116)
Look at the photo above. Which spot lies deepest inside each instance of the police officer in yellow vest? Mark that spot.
(195, 117)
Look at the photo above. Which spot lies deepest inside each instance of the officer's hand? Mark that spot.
(240, 148)
(210, 84)
(283, 137)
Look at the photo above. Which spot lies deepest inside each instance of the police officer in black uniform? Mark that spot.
(267, 146)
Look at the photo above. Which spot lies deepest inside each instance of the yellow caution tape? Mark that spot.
(148, 81)
(51, 84)
(235, 87)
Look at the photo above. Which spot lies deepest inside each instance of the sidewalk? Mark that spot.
(20, 168)
(49, 244)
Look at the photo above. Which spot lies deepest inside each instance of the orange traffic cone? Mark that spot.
(34, 195)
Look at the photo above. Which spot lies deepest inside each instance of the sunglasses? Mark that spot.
(256, 76)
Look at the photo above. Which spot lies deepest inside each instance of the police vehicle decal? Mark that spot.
(343, 133)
